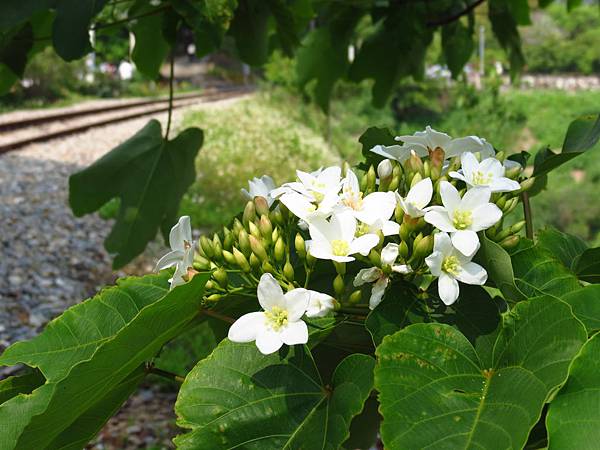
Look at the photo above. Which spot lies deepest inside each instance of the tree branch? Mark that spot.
(528, 215)
(455, 17)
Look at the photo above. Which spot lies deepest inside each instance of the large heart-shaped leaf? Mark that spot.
(573, 420)
(89, 352)
(150, 175)
(565, 247)
(238, 398)
(437, 390)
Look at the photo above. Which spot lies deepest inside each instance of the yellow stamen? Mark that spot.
(277, 317)
(340, 247)
(462, 219)
(482, 178)
(451, 265)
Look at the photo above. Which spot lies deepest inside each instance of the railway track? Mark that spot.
(15, 134)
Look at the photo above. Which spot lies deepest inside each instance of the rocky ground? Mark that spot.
(51, 260)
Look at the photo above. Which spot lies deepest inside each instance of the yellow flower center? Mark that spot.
(353, 199)
(277, 317)
(340, 247)
(462, 219)
(451, 265)
(318, 196)
(482, 178)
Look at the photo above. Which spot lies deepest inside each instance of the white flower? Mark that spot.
(182, 268)
(370, 209)
(315, 185)
(280, 322)
(451, 265)
(398, 152)
(487, 173)
(180, 241)
(335, 239)
(305, 209)
(319, 304)
(387, 228)
(463, 217)
(418, 197)
(260, 187)
(378, 276)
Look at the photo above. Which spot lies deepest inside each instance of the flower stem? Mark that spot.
(527, 214)
(171, 79)
(164, 373)
(217, 315)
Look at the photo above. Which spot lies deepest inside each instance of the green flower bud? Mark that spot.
(214, 298)
(266, 228)
(491, 232)
(221, 276)
(228, 257)
(396, 177)
(355, 297)
(501, 201)
(201, 263)
(244, 241)
(199, 249)
(258, 249)
(267, 267)
(514, 172)
(510, 205)
(261, 206)
(414, 164)
(217, 247)
(279, 250)
(275, 235)
(241, 260)
(300, 246)
(249, 213)
(527, 184)
(288, 271)
(207, 247)
(338, 285)
(254, 231)
(210, 285)
(398, 213)
(426, 169)
(227, 238)
(254, 261)
(510, 242)
(500, 156)
(276, 217)
(340, 267)
(237, 226)
(423, 248)
(404, 231)
(371, 179)
(375, 258)
(515, 228)
(502, 234)
(403, 249)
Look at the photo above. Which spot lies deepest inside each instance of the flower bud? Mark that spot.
(491, 232)
(527, 184)
(414, 164)
(227, 238)
(426, 169)
(416, 178)
(275, 235)
(310, 259)
(403, 249)
(241, 260)
(398, 213)
(254, 261)
(228, 257)
(221, 276)
(258, 249)
(199, 249)
(249, 213)
(277, 217)
(454, 164)
(288, 271)
(254, 231)
(355, 297)
(340, 267)
(423, 248)
(385, 169)
(500, 156)
(210, 285)
(244, 242)
(237, 226)
(300, 246)
(502, 234)
(207, 247)
(214, 298)
(279, 250)
(201, 263)
(396, 177)
(510, 205)
(501, 201)
(515, 228)
(217, 247)
(266, 229)
(266, 267)
(261, 206)
(436, 158)
(513, 172)
(404, 231)
(338, 285)
(371, 179)
(510, 242)
(375, 258)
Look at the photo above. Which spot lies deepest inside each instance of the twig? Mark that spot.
(171, 78)
(454, 17)
(164, 373)
(217, 315)
(527, 214)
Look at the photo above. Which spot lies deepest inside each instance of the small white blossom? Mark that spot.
(260, 187)
(384, 169)
(305, 209)
(487, 173)
(452, 266)
(417, 199)
(319, 304)
(463, 217)
(180, 240)
(280, 322)
(182, 268)
(315, 185)
(377, 206)
(378, 276)
(335, 239)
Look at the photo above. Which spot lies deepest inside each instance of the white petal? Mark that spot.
(377, 206)
(298, 204)
(493, 166)
(398, 152)
(434, 262)
(320, 304)
(485, 216)
(459, 176)
(437, 138)
(503, 184)
(450, 196)
(343, 226)
(268, 341)
(169, 260)
(470, 144)
(420, 194)
(410, 209)
(364, 244)
(438, 217)
(180, 234)
(389, 253)
(322, 230)
(377, 292)
(447, 289)
(390, 228)
(367, 276)
(247, 327)
(269, 292)
(296, 302)
(305, 178)
(466, 242)
(442, 244)
(330, 177)
(351, 181)
(469, 164)
(294, 333)
(402, 268)
(475, 197)
(472, 273)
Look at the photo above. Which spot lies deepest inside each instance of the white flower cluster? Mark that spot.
(345, 223)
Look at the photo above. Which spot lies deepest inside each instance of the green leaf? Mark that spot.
(151, 48)
(498, 264)
(587, 265)
(457, 44)
(210, 23)
(565, 247)
(70, 35)
(150, 175)
(520, 11)
(396, 311)
(505, 29)
(585, 303)
(14, 48)
(79, 379)
(372, 137)
(438, 391)
(15, 12)
(22, 384)
(285, 24)
(582, 135)
(573, 420)
(250, 31)
(238, 398)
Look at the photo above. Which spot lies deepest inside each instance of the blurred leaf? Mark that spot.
(585, 303)
(14, 48)
(375, 136)
(505, 29)
(285, 23)
(573, 420)
(70, 35)
(520, 10)
(250, 31)
(151, 48)
(238, 397)
(458, 45)
(587, 265)
(210, 22)
(150, 175)
(582, 135)
(89, 351)
(436, 390)
(15, 12)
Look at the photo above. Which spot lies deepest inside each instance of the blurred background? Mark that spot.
(264, 125)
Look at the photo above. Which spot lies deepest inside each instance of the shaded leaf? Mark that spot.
(250, 30)
(14, 48)
(15, 12)
(372, 137)
(563, 246)
(585, 303)
(438, 391)
(151, 48)
(150, 175)
(587, 265)
(457, 45)
(573, 420)
(505, 29)
(20, 384)
(238, 397)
